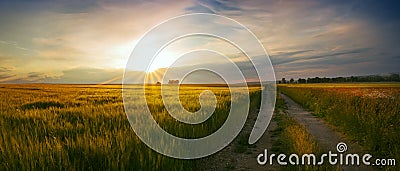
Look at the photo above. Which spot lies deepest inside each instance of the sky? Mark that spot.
(90, 41)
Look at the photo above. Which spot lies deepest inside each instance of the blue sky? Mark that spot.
(90, 41)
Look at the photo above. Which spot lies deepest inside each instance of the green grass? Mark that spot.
(84, 127)
(293, 138)
(369, 114)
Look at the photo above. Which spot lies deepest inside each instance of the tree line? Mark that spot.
(369, 78)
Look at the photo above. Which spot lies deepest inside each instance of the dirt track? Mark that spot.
(228, 159)
(324, 134)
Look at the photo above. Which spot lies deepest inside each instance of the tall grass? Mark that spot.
(369, 115)
(293, 138)
(53, 127)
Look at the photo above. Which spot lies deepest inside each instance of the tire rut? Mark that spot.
(324, 134)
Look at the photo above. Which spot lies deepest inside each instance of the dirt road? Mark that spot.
(230, 159)
(324, 134)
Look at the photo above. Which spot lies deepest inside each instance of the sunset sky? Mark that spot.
(65, 41)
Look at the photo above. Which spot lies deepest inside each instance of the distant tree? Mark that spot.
(173, 82)
(317, 79)
(300, 80)
(369, 78)
(394, 77)
(353, 79)
(326, 80)
(283, 80)
(338, 80)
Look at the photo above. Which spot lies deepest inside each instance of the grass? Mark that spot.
(84, 127)
(367, 113)
(42, 105)
(293, 138)
(242, 143)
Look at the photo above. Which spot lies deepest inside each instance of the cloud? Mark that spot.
(85, 75)
(79, 75)
(320, 34)
(199, 8)
(6, 72)
(13, 44)
(288, 59)
(54, 40)
(212, 6)
(61, 36)
(7, 68)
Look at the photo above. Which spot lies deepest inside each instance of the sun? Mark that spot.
(163, 60)
(154, 76)
(152, 69)
(120, 54)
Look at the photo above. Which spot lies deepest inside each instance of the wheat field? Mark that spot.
(84, 127)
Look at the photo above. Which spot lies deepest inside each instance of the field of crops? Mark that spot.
(367, 113)
(84, 127)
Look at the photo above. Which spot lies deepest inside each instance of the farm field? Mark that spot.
(368, 113)
(84, 127)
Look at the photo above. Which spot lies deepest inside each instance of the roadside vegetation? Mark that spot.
(293, 138)
(366, 113)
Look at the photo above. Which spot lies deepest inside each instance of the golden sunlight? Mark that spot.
(122, 52)
(154, 76)
(163, 60)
